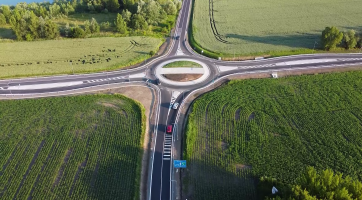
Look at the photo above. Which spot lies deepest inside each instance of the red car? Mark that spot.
(169, 129)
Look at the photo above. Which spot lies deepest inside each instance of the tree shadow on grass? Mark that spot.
(114, 178)
(294, 41)
(7, 33)
(205, 181)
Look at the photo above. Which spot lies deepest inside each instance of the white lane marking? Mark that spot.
(139, 75)
(301, 62)
(44, 86)
(166, 159)
(182, 70)
(224, 68)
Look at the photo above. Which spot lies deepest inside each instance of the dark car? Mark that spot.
(157, 81)
(169, 129)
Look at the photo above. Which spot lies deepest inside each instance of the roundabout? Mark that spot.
(202, 73)
(177, 83)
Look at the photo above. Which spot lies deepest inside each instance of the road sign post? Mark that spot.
(179, 163)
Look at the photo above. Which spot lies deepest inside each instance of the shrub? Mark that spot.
(77, 32)
(331, 37)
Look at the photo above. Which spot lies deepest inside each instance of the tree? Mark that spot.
(127, 16)
(170, 8)
(152, 53)
(87, 27)
(6, 12)
(139, 22)
(113, 5)
(94, 26)
(51, 29)
(350, 39)
(2, 19)
(331, 37)
(121, 24)
(77, 32)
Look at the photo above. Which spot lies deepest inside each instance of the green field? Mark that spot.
(80, 147)
(275, 128)
(182, 64)
(81, 55)
(253, 27)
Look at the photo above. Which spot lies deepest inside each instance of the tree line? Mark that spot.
(312, 185)
(333, 38)
(33, 21)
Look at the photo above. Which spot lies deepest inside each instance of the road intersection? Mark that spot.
(171, 92)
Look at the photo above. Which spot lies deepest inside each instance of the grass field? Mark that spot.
(266, 27)
(81, 147)
(272, 127)
(182, 64)
(80, 55)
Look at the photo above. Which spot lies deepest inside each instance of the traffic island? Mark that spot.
(182, 72)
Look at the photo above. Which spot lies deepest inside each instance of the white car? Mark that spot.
(175, 106)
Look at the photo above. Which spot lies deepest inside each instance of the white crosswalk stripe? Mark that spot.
(107, 79)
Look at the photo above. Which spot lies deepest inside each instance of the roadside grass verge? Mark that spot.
(50, 57)
(274, 128)
(78, 147)
(182, 64)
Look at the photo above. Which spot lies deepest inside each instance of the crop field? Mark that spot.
(78, 55)
(252, 27)
(275, 128)
(80, 147)
(182, 64)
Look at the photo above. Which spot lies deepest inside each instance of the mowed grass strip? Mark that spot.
(80, 147)
(73, 55)
(182, 64)
(275, 128)
(263, 26)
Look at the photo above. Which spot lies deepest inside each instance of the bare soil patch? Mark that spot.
(240, 167)
(182, 77)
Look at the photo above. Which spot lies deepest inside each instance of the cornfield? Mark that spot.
(81, 147)
(275, 128)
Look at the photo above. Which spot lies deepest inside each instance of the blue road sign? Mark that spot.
(179, 163)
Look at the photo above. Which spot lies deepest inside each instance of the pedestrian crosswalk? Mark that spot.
(106, 79)
(167, 145)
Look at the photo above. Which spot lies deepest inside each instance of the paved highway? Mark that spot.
(161, 161)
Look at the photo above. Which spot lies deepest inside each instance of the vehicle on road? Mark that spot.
(169, 129)
(175, 105)
(157, 81)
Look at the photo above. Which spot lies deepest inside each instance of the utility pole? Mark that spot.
(315, 42)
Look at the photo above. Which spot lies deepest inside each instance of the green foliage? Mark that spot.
(331, 37)
(152, 53)
(94, 26)
(80, 147)
(313, 185)
(2, 19)
(139, 22)
(350, 39)
(274, 128)
(170, 8)
(127, 16)
(121, 25)
(77, 32)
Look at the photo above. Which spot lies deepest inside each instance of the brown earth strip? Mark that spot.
(182, 77)
(61, 169)
(42, 169)
(29, 167)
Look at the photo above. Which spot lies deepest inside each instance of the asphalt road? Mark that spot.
(160, 178)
